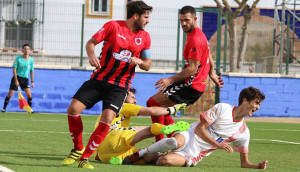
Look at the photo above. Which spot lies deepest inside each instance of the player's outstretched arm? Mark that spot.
(159, 111)
(245, 163)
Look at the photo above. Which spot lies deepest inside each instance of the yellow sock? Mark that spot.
(156, 127)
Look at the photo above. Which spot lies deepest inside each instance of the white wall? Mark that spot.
(62, 27)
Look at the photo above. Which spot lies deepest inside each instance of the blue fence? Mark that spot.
(54, 89)
(282, 94)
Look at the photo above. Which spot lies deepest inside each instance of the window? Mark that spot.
(99, 8)
(17, 35)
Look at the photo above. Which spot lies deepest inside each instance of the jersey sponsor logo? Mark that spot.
(220, 139)
(124, 55)
(138, 41)
(121, 36)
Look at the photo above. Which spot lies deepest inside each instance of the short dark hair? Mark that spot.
(26, 45)
(187, 9)
(251, 93)
(133, 90)
(138, 7)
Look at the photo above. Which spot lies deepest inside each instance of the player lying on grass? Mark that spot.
(121, 138)
(219, 126)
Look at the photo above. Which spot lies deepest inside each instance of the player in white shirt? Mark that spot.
(217, 127)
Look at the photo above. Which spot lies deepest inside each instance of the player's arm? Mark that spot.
(90, 50)
(15, 76)
(144, 62)
(191, 70)
(200, 130)
(213, 76)
(159, 111)
(245, 163)
(32, 80)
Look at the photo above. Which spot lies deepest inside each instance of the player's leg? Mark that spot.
(75, 128)
(29, 96)
(171, 159)
(24, 83)
(113, 99)
(12, 89)
(163, 145)
(159, 100)
(84, 98)
(7, 98)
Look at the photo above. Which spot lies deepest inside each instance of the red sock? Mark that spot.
(76, 128)
(96, 138)
(169, 120)
(156, 119)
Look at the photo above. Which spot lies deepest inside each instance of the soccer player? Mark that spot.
(188, 85)
(22, 66)
(219, 126)
(121, 139)
(126, 45)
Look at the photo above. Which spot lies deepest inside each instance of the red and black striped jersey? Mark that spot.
(119, 45)
(197, 48)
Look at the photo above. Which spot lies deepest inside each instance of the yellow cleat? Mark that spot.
(73, 156)
(84, 163)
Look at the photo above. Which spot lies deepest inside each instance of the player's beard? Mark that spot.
(139, 25)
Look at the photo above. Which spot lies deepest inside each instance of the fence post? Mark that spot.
(225, 43)
(287, 56)
(82, 34)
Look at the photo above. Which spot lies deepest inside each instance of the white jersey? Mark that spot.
(223, 128)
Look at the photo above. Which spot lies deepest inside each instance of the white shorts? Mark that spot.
(194, 150)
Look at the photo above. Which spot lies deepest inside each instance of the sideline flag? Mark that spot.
(23, 103)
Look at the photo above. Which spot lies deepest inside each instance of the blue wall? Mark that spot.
(54, 89)
(282, 94)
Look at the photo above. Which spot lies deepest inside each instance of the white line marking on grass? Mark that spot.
(5, 169)
(280, 141)
(48, 132)
(275, 129)
(30, 120)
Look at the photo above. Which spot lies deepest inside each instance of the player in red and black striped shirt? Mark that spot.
(188, 85)
(126, 45)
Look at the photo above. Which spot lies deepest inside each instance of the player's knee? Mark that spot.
(171, 143)
(71, 110)
(151, 102)
(164, 161)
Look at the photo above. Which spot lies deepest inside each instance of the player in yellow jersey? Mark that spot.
(121, 139)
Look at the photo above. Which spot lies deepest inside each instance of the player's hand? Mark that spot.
(94, 62)
(32, 84)
(262, 165)
(17, 83)
(174, 109)
(162, 84)
(217, 80)
(225, 146)
(135, 61)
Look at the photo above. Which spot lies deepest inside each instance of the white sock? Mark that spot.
(161, 146)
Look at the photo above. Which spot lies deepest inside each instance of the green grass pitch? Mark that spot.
(39, 142)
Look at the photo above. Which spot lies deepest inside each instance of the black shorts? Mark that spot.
(93, 91)
(22, 81)
(180, 92)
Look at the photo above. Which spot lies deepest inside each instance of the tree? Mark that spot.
(237, 54)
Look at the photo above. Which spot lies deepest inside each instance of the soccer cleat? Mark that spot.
(3, 110)
(84, 163)
(130, 159)
(73, 156)
(174, 109)
(115, 161)
(179, 126)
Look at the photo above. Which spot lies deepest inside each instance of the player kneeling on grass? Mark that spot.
(121, 139)
(219, 126)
